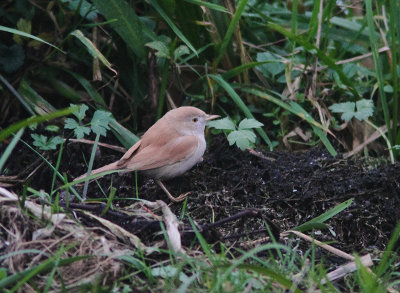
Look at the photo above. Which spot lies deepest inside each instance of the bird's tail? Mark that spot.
(109, 167)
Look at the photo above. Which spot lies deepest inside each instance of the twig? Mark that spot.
(331, 249)
(106, 145)
(350, 267)
(259, 154)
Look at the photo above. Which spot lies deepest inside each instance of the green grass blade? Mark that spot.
(242, 106)
(388, 255)
(32, 120)
(126, 137)
(44, 267)
(39, 105)
(296, 109)
(212, 6)
(276, 276)
(322, 136)
(59, 175)
(88, 178)
(312, 32)
(163, 88)
(88, 87)
(293, 107)
(23, 251)
(395, 27)
(50, 278)
(92, 49)
(172, 25)
(294, 21)
(327, 215)
(128, 26)
(378, 68)
(239, 262)
(17, 95)
(90, 167)
(57, 167)
(202, 241)
(10, 147)
(23, 34)
(229, 32)
(241, 68)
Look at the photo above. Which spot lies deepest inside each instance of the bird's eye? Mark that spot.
(195, 120)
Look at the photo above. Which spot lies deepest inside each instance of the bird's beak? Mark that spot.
(212, 117)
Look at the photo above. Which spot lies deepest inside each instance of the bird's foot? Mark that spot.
(174, 199)
(180, 198)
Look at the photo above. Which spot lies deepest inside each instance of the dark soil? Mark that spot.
(289, 188)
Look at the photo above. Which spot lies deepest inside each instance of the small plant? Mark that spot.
(44, 143)
(362, 110)
(243, 135)
(98, 124)
(365, 109)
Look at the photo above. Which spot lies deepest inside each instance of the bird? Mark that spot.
(169, 148)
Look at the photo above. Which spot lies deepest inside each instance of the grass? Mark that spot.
(283, 66)
(274, 266)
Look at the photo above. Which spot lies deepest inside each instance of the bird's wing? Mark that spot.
(155, 156)
(129, 154)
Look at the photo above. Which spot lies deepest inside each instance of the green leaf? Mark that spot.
(347, 109)
(164, 271)
(388, 89)
(249, 123)
(350, 69)
(128, 26)
(365, 109)
(236, 98)
(180, 51)
(327, 215)
(86, 9)
(100, 122)
(225, 123)
(25, 26)
(81, 113)
(45, 144)
(274, 67)
(52, 128)
(79, 130)
(11, 58)
(343, 107)
(172, 25)
(242, 138)
(92, 49)
(162, 50)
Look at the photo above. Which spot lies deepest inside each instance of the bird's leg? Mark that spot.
(174, 199)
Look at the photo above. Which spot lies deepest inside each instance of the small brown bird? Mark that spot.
(169, 148)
